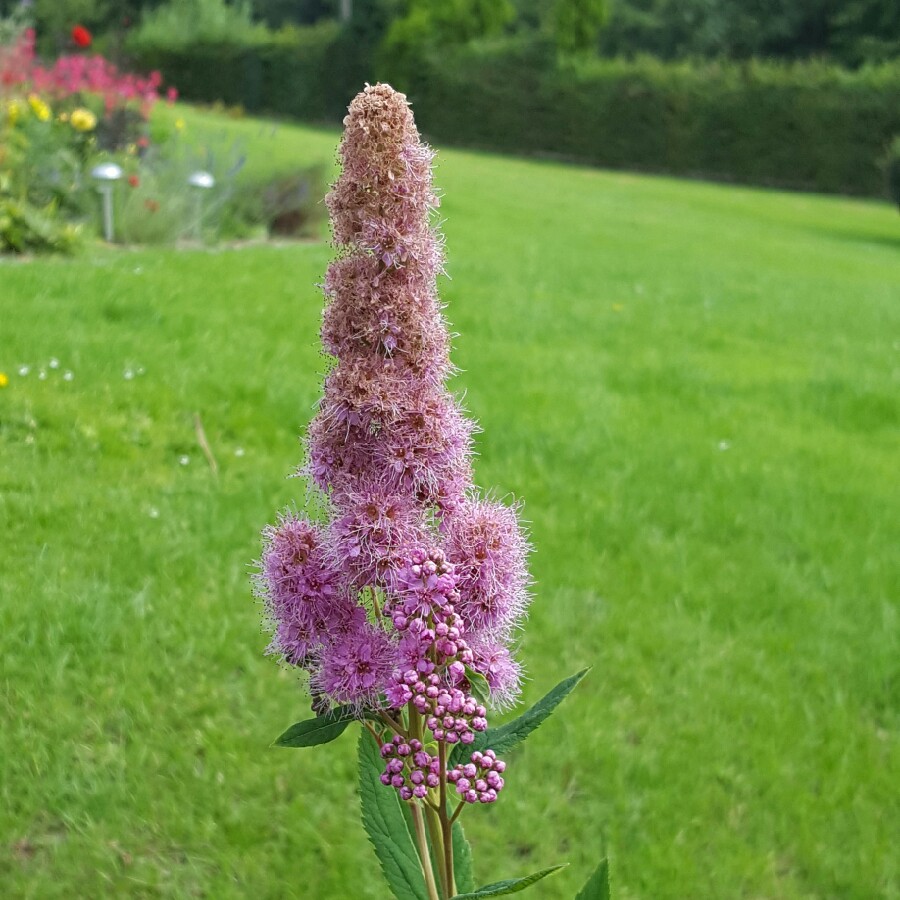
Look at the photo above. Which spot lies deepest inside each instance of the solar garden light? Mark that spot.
(201, 181)
(106, 175)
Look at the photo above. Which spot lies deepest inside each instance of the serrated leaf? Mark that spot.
(320, 730)
(597, 886)
(513, 733)
(512, 886)
(462, 860)
(385, 824)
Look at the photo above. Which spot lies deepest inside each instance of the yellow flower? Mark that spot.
(40, 109)
(14, 111)
(179, 124)
(83, 119)
(4, 379)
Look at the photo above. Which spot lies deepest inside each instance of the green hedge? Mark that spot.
(305, 73)
(807, 126)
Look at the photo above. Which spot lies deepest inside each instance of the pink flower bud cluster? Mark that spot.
(478, 781)
(413, 583)
(410, 769)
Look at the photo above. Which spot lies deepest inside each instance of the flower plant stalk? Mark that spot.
(401, 602)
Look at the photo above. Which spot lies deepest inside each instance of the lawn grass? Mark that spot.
(695, 390)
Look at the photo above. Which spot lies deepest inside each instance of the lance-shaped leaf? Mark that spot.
(597, 886)
(512, 733)
(385, 824)
(462, 860)
(512, 886)
(319, 730)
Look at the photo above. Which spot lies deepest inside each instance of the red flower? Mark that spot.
(81, 36)
(133, 180)
(143, 142)
(172, 94)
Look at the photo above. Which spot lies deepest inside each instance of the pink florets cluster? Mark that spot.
(412, 589)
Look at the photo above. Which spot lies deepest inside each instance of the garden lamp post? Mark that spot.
(200, 182)
(106, 175)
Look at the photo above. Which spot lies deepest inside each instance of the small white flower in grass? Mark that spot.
(24, 370)
(238, 451)
(724, 445)
(42, 375)
(68, 375)
(153, 512)
(128, 374)
(184, 460)
(54, 363)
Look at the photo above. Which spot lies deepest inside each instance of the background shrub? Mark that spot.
(808, 126)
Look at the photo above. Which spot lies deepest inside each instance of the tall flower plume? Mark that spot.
(405, 599)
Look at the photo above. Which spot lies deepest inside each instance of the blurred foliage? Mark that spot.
(866, 30)
(849, 31)
(276, 13)
(55, 18)
(180, 23)
(429, 25)
(44, 192)
(892, 166)
(156, 205)
(287, 205)
(576, 24)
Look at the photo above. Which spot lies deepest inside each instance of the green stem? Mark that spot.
(432, 819)
(416, 730)
(424, 856)
(446, 825)
(390, 721)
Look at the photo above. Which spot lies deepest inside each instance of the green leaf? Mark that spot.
(462, 860)
(319, 730)
(597, 886)
(513, 733)
(478, 685)
(385, 824)
(512, 886)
